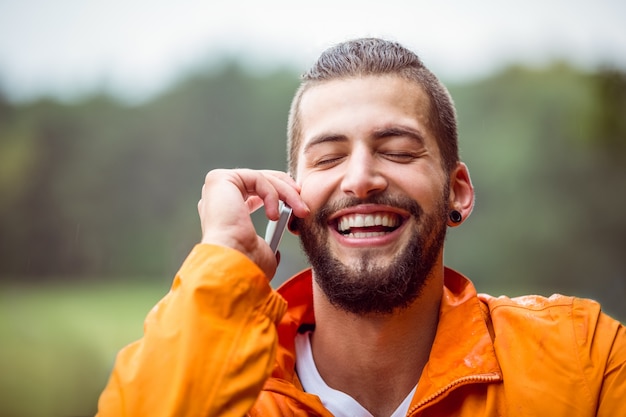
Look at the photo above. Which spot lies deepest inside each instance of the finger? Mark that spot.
(270, 186)
(288, 191)
(256, 185)
(282, 176)
(254, 202)
(200, 203)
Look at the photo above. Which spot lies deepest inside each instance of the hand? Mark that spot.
(228, 198)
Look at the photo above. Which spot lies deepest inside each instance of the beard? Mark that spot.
(365, 287)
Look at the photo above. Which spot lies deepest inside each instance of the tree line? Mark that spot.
(97, 188)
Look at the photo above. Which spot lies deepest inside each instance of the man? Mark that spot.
(378, 326)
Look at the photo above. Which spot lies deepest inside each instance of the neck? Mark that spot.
(376, 359)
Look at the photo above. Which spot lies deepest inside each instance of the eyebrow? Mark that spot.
(324, 138)
(400, 131)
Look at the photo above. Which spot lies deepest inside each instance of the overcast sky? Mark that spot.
(137, 47)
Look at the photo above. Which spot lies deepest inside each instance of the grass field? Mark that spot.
(58, 342)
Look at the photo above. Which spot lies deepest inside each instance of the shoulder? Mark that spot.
(577, 317)
(558, 326)
(567, 324)
(533, 302)
(546, 343)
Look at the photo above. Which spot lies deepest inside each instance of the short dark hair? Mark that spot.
(372, 56)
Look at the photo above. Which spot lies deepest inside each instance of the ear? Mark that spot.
(293, 225)
(461, 192)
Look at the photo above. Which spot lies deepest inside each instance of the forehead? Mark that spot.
(353, 106)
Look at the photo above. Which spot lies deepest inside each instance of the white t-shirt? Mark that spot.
(337, 402)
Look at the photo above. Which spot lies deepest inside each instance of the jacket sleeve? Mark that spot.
(612, 400)
(602, 346)
(208, 345)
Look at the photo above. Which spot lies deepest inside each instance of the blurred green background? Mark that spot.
(98, 206)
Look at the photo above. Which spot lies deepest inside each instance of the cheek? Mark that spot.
(426, 189)
(316, 189)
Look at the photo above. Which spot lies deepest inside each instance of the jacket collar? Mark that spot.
(462, 351)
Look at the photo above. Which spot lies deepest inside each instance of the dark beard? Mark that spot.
(366, 288)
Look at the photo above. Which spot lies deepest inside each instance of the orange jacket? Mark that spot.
(221, 343)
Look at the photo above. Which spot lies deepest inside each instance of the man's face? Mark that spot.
(370, 170)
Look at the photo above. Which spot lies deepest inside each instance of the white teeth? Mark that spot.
(359, 221)
(367, 220)
(362, 235)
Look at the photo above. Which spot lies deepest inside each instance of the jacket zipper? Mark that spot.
(461, 381)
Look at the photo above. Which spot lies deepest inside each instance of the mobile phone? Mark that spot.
(275, 229)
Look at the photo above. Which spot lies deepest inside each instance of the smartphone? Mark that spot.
(275, 229)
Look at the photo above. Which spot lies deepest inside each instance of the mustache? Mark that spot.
(321, 217)
(401, 202)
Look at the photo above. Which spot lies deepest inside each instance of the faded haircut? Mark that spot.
(372, 56)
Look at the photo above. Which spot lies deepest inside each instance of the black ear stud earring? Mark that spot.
(455, 216)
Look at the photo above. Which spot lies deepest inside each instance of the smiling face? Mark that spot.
(370, 170)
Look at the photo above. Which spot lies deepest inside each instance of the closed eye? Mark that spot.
(401, 157)
(328, 161)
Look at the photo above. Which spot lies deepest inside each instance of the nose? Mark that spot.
(362, 176)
